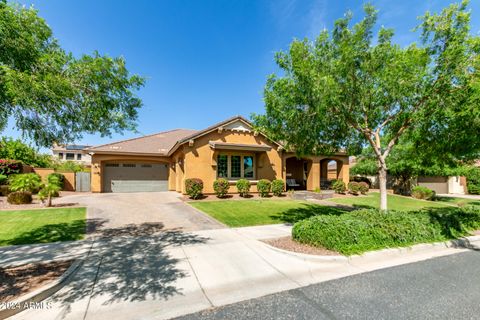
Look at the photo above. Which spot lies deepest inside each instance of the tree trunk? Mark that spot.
(49, 201)
(382, 179)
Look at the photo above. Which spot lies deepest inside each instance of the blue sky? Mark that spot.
(206, 60)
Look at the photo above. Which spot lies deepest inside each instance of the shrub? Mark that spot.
(4, 190)
(339, 186)
(263, 187)
(221, 186)
(353, 187)
(50, 190)
(361, 179)
(8, 167)
(25, 182)
(278, 186)
(364, 187)
(473, 180)
(420, 192)
(243, 187)
(194, 187)
(57, 178)
(3, 179)
(19, 197)
(364, 230)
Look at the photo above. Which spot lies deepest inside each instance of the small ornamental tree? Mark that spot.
(347, 89)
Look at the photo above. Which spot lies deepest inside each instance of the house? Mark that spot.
(230, 149)
(73, 152)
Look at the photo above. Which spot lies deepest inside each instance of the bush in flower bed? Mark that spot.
(424, 193)
(221, 186)
(278, 186)
(263, 187)
(3, 179)
(363, 187)
(243, 187)
(339, 186)
(19, 197)
(365, 230)
(353, 188)
(194, 187)
(8, 167)
(30, 182)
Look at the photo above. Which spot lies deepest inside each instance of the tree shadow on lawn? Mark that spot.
(130, 263)
(307, 211)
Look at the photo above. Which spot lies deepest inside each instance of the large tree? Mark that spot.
(53, 96)
(347, 89)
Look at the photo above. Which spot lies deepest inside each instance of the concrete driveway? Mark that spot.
(116, 210)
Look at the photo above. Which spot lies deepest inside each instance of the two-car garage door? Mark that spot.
(135, 177)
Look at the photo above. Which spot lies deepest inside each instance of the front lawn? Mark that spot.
(459, 201)
(42, 225)
(395, 202)
(242, 213)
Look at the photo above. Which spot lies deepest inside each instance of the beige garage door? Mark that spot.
(437, 184)
(135, 177)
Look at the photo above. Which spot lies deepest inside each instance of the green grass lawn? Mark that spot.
(42, 225)
(459, 201)
(242, 213)
(372, 200)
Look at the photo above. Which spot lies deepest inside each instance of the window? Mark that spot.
(79, 156)
(235, 168)
(60, 155)
(70, 156)
(222, 166)
(248, 167)
(112, 165)
(146, 165)
(231, 167)
(129, 165)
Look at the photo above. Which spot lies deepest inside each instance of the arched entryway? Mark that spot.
(297, 172)
(330, 170)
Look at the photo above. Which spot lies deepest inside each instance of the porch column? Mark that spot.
(343, 171)
(313, 178)
(324, 170)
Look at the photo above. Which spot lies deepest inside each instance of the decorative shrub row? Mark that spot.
(194, 187)
(420, 192)
(365, 230)
(339, 186)
(8, 167)
(358, 187)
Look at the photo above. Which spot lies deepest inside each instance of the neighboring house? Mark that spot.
(229, 149)
(72, 152)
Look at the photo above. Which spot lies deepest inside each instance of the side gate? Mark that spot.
(82, 181)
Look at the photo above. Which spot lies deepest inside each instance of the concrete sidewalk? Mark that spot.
(173, 273)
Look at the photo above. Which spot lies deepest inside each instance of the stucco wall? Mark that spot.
(68, 182)
(200, 159)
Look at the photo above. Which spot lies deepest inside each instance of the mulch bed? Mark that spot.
(20, 280)
(287, 243)
(236, 196)
(4, 205)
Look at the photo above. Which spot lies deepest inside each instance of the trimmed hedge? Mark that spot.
(353, 188)
(263, 187)
(365, 230)
(278, 187)
(19, 197)
(424, 193)
(221, 186)
(339, 186)
(243, 187)
(194, 187)
(364, 187)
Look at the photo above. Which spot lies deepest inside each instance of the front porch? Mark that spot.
(315, 172)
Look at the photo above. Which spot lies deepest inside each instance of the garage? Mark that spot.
(135, 177)
(436, 183)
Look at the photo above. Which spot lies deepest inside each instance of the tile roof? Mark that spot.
(159, 143)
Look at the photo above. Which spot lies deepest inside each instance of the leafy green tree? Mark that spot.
(53, 96)
(347, 89)
(27, 182)
(17, 150)
(50, 189)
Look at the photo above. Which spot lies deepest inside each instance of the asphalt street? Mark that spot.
(440, 288)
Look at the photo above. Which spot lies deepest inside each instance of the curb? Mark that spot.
(308, 257)
(472, 243)
(40, 294)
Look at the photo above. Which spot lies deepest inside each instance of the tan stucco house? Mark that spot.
(231, 149)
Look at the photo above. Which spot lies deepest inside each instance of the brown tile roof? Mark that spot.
(159, 143)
